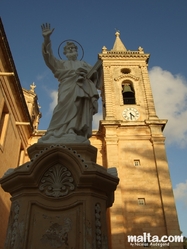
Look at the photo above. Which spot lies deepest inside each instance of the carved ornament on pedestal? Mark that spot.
(57, 182)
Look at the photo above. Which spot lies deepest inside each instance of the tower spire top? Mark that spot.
(117, 33)
(118, 44)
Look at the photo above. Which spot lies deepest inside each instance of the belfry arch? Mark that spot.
(128, 93)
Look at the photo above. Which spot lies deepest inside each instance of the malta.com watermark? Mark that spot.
(148, 240)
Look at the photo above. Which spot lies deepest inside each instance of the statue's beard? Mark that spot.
(72, 56)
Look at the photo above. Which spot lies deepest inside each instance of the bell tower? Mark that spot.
(133, 142)
(126, 83)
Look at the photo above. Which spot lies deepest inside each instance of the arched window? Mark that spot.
(128, 93)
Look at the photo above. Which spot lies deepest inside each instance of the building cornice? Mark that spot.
(128, 54)
(16, 82)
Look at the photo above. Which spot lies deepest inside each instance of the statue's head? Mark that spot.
(70, 51)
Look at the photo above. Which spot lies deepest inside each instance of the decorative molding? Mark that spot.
(15, 232)
(15, 223)
(124, 54)
(57, 182)
(57, 235)
(98, 226)
(126, 77)
(51, 147)
(107, 67)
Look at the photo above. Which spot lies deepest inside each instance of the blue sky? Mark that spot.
(157, 26)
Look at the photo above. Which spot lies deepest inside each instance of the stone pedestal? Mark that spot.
(59, 199)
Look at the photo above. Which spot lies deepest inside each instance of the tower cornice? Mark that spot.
(122, 54)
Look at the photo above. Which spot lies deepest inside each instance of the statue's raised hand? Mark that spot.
(46, 30)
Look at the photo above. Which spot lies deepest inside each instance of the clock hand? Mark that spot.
(131, 115)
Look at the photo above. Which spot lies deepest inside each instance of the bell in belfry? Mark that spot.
(127, 88)
(128, 94)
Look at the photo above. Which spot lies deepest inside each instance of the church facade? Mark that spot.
(130, 138)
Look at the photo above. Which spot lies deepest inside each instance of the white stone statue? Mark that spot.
(77, 95)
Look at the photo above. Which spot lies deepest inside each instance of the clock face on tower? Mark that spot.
(130, 114)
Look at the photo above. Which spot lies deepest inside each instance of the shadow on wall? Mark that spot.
(147, 181)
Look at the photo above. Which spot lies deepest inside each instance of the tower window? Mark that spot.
(128, 94)
(125, 70)
(136, 162)
(141, 201)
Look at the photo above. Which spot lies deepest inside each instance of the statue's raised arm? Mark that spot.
(47, 52)
(46, 32)
(77, 95)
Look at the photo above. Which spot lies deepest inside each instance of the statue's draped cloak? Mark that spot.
(76, 95)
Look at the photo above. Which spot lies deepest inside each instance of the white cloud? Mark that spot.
(54, 97)
(180, 192)
(170, 96)
(96, 118)
(42, 76)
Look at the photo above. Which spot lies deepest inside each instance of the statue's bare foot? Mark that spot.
(71, 131)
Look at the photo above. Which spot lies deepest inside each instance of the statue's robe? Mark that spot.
(76, 96)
